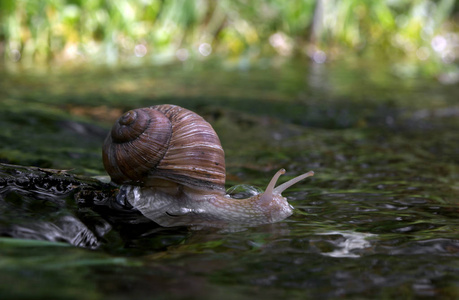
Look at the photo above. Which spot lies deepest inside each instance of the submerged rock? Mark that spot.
(55, 205)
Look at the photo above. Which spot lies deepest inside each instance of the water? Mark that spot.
(380, 219)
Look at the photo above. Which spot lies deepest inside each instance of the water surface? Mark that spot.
(378, 220)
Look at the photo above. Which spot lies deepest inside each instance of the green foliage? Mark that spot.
(154, 30)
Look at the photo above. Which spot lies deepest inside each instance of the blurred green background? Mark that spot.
(421, 36)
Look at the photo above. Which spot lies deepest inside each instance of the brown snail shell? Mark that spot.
(164, 142)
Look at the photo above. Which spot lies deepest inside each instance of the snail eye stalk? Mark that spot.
(292, 181)
(271, 191)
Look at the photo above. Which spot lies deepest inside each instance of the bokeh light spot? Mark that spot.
(439, 43)
(319, 57)
(140, 50)
(205, 49)
(182, 54)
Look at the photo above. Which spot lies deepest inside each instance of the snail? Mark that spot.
(170, 166)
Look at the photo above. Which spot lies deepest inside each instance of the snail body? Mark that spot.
(171, 167)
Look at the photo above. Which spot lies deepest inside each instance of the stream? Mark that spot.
(379, 219)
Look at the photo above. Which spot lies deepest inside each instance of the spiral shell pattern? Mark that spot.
(166, 142)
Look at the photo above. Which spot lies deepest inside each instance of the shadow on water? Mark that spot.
(380, 219)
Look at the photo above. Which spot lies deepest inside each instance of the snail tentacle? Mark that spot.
(291, 182)
(267, 196)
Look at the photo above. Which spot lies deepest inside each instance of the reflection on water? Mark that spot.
(349, 243)
(378, 220)
(66, 229)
